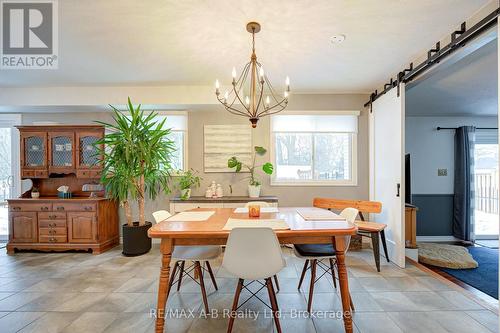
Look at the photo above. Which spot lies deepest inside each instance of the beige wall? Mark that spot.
(288, 196)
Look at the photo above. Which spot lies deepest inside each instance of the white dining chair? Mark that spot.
(315, 253)
(196, 254)
(257, 203)
(254, 254)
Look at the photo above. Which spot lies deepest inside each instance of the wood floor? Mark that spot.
(79, 292)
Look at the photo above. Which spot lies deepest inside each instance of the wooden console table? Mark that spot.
(177, 205)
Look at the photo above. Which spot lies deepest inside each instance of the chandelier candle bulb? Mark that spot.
(268, 100)
(217, 85)
(247, 100)
(287, 82)
(261, 72)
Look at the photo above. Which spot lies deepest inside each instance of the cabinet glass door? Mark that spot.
(34, 151)
(61, 151)
(88, 155)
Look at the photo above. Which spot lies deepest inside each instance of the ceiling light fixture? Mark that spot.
(337, 39)
(252, 94)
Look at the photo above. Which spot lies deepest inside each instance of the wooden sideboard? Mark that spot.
(53, 224)
(177, 205)
(53, 156)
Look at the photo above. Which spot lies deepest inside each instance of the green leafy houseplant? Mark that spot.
(187, 181)
(268, 168)
(136, 158)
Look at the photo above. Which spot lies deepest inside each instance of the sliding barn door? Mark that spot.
(387, 168)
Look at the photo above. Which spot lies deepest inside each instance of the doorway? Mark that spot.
(486, 186)
(9, 167)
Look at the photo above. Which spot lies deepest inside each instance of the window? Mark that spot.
(314, 149)
(177, 123)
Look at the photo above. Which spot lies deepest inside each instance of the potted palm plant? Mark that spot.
(254, 184)
(136, 164)
(187, 181)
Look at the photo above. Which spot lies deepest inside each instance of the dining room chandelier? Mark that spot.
(252, 95)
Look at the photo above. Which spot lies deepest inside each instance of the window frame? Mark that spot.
(186, 136)
(310, 182)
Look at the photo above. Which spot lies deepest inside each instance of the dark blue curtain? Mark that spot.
(463, 199)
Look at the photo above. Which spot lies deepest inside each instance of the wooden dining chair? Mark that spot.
(372, 230)
(196, 254)
(315, 254)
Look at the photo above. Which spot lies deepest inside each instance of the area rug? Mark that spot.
(484, 277)
(445, 255)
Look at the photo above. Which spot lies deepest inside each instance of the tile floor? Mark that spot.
(79, 292)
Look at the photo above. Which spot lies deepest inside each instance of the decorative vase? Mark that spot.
(185, 194)
(253, 191)
(35, 195)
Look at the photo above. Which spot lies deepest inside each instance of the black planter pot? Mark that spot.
(135, 239)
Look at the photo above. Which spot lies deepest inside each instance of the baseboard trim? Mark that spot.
(437, 239)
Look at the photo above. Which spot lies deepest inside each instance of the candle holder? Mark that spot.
(254, 211)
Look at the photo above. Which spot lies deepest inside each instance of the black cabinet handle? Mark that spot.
(60, 208)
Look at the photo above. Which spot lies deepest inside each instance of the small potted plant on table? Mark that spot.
(187, 181)
(254, 185)
(136, 164)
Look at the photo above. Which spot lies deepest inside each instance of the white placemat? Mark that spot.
(318, 225)
(191, 216)
(262, 210)
(316, 214)
(275, 224)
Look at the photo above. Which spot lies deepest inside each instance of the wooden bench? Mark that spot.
(365, 228)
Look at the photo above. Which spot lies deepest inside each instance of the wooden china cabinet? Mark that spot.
(53, 156)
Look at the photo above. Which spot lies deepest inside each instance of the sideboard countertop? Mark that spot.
(199, 199)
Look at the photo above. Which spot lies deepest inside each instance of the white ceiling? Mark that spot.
(468, 87)
(130, 42)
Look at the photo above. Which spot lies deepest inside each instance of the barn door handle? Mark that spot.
(398, 190)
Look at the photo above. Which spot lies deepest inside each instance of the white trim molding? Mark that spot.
(437, 239)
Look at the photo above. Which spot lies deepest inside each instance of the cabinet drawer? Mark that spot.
(41, 174)
(75, 207)
(53, 239)
(51, 223)
(88, 174)
(28, 174)
(52, 232)
(52, 216)
(30, 207)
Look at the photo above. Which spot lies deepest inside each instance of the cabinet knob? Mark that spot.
(45, 208)
(52, 239)
(52, 217)
(16, 208)
(60, 208)
(52, 232)
(87, 208)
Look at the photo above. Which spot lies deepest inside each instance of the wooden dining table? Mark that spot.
(211, 232)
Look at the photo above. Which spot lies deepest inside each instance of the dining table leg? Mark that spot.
(340, 244)
(166, 255)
